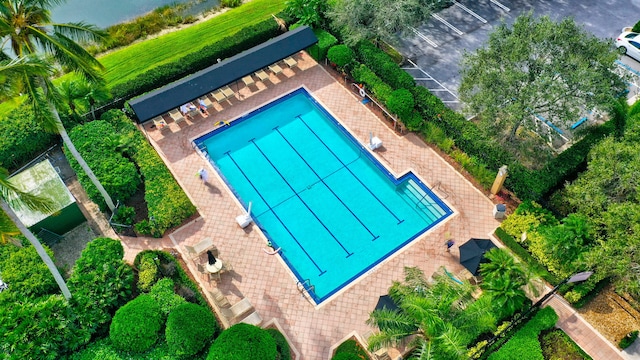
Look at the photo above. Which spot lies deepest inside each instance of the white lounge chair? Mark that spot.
(237, 311)
(200, 248)
(291, 62)
(253, 319)
(218, 95)
(275, 68)
(176, 116)
(227, 91)
(248, 80)
(262, 75)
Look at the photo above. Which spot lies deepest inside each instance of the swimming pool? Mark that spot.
(317, 193)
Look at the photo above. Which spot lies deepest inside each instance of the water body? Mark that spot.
(104, 13)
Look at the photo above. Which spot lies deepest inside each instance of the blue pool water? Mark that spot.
(317, 193)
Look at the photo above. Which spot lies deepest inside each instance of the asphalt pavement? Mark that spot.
(434, 49)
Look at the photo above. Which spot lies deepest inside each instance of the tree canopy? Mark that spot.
(538, 67)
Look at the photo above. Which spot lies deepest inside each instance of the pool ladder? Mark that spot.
(304, 290)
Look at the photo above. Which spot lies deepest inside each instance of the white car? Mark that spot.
(629, 43)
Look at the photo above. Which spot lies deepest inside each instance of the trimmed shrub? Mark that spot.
(101, 282)
(341, 55)
(98, 143)
(26, 273)
(325, 41)
(284, 351)
(164, 294)
(190, 328)
(401, 103)
(243, 342)
(136, 325)
(22, 138)
(167, 203)
(525, 342)
(125, 215)
(362, 74)
(626, 341)
(147, 272)
(383, 66)
(350, 349)
(103, 349)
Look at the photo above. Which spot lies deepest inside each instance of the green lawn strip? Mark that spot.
(525, 342)
(127, 63)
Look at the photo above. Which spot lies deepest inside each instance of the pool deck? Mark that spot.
(263, 278)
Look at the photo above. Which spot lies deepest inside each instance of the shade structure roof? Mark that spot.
(225, 72)
(386, 302)
(472, 253)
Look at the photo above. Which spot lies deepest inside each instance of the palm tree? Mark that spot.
(26, 28)
(505, 281)
(439, 318)
(14, 76)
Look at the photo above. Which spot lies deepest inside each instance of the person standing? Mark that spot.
(203, 175)
(449, 244)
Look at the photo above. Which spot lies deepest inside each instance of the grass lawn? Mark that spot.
(125, 64)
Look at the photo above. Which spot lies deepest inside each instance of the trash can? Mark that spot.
(499, 211)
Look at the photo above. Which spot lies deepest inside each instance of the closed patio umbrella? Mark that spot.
(386, 302)
(472, 253)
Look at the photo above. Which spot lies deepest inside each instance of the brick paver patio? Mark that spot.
(264, 279)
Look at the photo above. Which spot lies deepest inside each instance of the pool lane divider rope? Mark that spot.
(349, 170)
(325, 184)
(300, 198)
(276, 215)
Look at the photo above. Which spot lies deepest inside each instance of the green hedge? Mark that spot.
(167, 203)
(626, 341)
(98, 143)
(103, 349)
(163, 74)
(524, 255)
(190, 328)
(21, 138)
(136, 325)
(243, 342)
(341, 55)
(383, 66)
(350, 349)
(363, 75)
(282, 346)
(101, 282)
(525, 342)
(26, 273)
(325, 41)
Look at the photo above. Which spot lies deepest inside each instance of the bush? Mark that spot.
(124, 216)
(325, 41)
(350, 349)
(136, 325)
(362, 74)
(26, 273)
(401, 103)
(282, 346)
(190, 328)
(103, 349)
(101, 282)
(22, 138)
(636, 27)
(383, 66)
(98, 143)
(147, 272)
(556, 344)
(525, 342)
(626, 341)
(341, 55)
(231, 3)
(163, 293)
(243, 342)
(167, 203)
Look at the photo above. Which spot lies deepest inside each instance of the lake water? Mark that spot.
(104, 13)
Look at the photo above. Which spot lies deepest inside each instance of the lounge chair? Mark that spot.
(176, 116)
(218, 95)
(237, 311)
(207, 102)
(200, 248)
(291, 62)
(227, 91)
(275, 68)
(159, 122)
(248, 80)
(262, 75)
(252, 319)
(219, 298)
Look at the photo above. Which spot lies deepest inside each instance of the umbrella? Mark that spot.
(472, 253)
(210, 257)
(386, 302)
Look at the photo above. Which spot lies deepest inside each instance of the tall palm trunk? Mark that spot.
(76, 155)
(36, 244)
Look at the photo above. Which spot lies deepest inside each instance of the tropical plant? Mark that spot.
(440, 317)
(557, 72)
(310, 12)
(26, 26)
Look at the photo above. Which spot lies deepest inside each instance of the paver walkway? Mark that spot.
(265, 279)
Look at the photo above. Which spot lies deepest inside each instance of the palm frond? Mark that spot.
(19, 199)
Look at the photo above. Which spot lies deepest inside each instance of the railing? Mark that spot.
(305, 288)
(366, 95)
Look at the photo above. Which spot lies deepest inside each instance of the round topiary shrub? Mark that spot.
(190, 327)
(136, 325)
(340, 55)
(346, 356)
(164, 294)
(401, 103)
(243, 342)
(284, 352)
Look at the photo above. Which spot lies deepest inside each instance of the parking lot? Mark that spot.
(434, 49)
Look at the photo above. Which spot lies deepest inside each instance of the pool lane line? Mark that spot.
(275, 214)
(325, 184)
(349, 170)
(300, 198)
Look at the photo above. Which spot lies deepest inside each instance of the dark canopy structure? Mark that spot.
(386, 302)
(472, 253)
(173, 95)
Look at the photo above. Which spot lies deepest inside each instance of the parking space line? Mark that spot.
(470, 12)
(423, 37)
(431, 78)
(437, 17)
(501, 5)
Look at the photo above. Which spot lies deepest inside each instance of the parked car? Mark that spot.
(629, 43)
